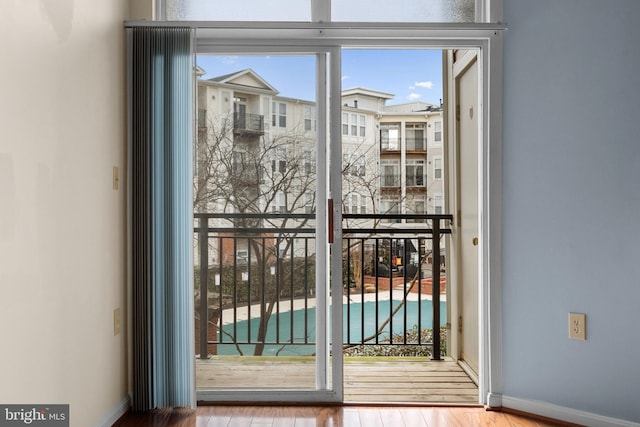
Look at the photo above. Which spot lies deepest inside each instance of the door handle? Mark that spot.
(475, 241)
(330, 225)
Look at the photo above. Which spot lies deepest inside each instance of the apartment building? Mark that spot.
(392, 154)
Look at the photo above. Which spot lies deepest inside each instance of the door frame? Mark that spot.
(229, 37)
(454, 69)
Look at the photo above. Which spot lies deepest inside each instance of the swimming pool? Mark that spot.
(305, 325)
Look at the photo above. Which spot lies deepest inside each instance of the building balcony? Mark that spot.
(390, 180)
(251, 124)
(390, 145)
(416, 181)
(416, 144)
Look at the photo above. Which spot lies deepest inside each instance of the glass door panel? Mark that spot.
(256, 198)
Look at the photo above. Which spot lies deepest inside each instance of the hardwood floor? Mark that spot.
(330, 416)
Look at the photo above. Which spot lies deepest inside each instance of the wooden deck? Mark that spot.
(366, 380)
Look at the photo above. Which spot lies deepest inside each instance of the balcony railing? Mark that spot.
(268, 273)
(416, 144)
(390, 144)
(415, 180)
(248, 123)
(390, 180)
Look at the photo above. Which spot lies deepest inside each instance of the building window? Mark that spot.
(345, 123)
(437, 137)
(416, 207)
(389, 137)
(390, 206)
(242, 256)
(415, 137)
(308, 163)
(438, 204)
(437, 168)
(415, 173)
(279, 203)
(309, 202)
(279, 160)
(354, 125)
(356, 204)
(389, 173)
(354, 164)
(309, 122)
(279, 114)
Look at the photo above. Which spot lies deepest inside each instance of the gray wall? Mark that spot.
(572, 203)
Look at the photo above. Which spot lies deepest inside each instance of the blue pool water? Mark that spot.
(305, 325)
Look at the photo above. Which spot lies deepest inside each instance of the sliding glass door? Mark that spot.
(261, 236)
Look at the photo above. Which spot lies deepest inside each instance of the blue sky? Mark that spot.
(411, 75)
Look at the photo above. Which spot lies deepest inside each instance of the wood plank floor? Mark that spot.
(366, 380)
(330, 416)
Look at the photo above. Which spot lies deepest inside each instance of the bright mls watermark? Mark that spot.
(34, 415)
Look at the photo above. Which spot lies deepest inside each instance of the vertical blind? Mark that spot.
(160, 76)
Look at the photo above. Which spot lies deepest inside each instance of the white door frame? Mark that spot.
(229, 37)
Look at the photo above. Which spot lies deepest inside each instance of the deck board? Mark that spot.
(366, 380)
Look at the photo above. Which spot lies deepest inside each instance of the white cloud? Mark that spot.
(345, 78)
(229, 60)
(412, 88)
(427, 84)
(414, 96)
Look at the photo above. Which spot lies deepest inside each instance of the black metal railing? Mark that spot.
(248, 122)
(401, 261)
(267, 273)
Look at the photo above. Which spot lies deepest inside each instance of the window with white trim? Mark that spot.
(309, 119)
(437, 168)
(463, 11)
(279, 204)
(354, 164)
(308, 162)
(438, 204)
(279, 114)
(390, 173)
(389, 137)
(437, 132)
(415, 173)
(279, 160)
(309, 202)
(415, 137)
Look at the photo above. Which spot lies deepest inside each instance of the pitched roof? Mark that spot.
(246, 78)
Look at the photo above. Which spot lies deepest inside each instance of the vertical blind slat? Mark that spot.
(161, 117)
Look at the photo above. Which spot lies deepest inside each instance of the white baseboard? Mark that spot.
(115, 413)
(564, 414)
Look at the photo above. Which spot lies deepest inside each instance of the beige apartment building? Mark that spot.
(266, 147)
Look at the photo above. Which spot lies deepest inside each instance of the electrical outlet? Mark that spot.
(116, 321)
(577, 326)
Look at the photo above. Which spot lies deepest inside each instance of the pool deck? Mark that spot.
(366, 380)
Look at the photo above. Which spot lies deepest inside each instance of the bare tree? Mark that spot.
(267, 177)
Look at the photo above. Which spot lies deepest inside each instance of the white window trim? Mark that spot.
(435, 178)
(299, 37)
